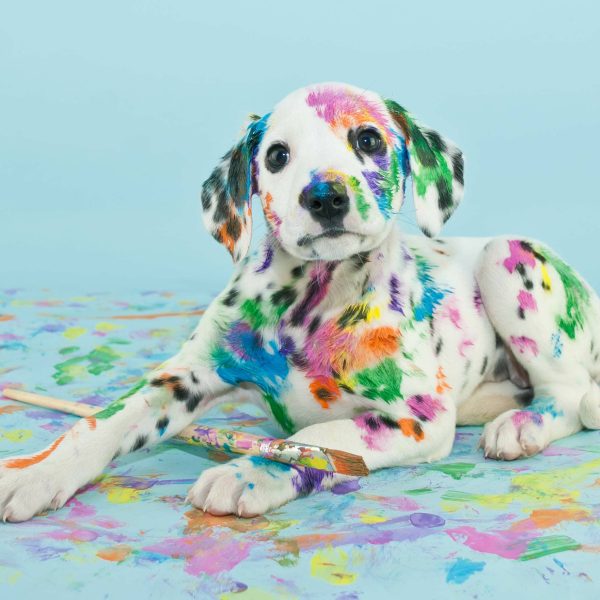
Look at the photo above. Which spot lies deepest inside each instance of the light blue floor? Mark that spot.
(463, 527)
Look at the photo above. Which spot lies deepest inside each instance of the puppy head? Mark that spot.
(330, 165)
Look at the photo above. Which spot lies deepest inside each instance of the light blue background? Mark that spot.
(113, 113)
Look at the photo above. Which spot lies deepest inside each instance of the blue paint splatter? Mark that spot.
(462, 569)
(544, 406)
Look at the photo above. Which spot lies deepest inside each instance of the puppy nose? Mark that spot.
(326, 201)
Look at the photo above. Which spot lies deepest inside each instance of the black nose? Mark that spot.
(326, 201)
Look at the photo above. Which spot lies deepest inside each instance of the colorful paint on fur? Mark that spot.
(526, 301)
(425, 407)
(524, 344)
(518, 256)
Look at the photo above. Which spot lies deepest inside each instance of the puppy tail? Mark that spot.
(589, 409)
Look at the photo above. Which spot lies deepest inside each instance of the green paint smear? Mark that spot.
(550, 544)
(418, 491)
(455, 470)
(68, 349)
(576, 294)
(362, 205)
(382, 381)
(100, 359)
(280, 413)
(119, 404)
(253, 313)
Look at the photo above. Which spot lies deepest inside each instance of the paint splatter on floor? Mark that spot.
(464, 525)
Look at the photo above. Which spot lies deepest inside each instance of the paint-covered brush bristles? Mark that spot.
(238, 442)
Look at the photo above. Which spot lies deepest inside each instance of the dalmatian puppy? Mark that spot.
(349, 333)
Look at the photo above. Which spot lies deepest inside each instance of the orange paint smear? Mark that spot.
(442, 384)
(22, 463)
(227, 240)
(91, 421)
(7, 317)
(11, 408)
(410, 428)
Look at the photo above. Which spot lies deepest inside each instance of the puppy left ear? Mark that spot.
(436, 167)
(227, 193)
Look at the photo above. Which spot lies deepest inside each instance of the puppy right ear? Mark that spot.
(227, 193)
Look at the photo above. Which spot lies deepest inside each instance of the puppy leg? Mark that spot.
(548, 317)
(160, 407)
(249, 486)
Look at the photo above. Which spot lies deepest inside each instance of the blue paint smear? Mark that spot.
(544, 405)
(432, 295)
(462, 569)
(263, 366)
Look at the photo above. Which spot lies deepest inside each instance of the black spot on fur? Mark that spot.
(162, 423)
(140, 442)
(458, 168)
(299, 360)
(297, 271)
(285, 296)
(521, 312)
(359, 260)
(435, 140)
(314, 324)
(525, 397)
(484, 365)
(438, 346)
(192, 401)
(445, 201)
(231, 297)
(193, 377)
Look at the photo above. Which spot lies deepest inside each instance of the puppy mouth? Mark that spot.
(334, 232)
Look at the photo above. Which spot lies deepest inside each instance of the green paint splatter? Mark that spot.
(382, 381)
(100, 359)
(68, 349)
(550, 544)
(576, 294)
(251, 312)
(455, 470)
(418, 491)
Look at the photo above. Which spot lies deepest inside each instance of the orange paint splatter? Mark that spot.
(115, 554)
(442, 384)
(11, 408)
(91, 421)
(411, 428)
(7, 317)
(22, 463)
(325, 390)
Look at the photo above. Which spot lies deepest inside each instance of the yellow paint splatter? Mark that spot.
(17, 435)
(374, 313)
(106, 327)
(372, 517)
(9, 575)
(331, 565)
(120, 495)
(539, 490)
(74, 332)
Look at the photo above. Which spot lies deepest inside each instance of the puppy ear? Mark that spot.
(436, 167)
(227, 193)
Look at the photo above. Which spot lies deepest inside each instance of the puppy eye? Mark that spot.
(369, 141)
(278, 155)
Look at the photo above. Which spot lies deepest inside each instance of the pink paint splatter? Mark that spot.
(464, 344)
(425, 407)
(526, 301)
(526, 416)
(524, 344)
(518, 255)
(210, 552)
(449, 310)
(501, 543)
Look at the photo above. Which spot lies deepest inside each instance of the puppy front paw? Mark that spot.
(28, 490)
(250, 486)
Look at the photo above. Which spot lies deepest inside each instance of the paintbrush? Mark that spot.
(239, 442)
